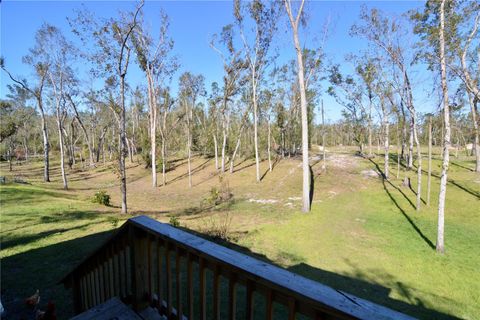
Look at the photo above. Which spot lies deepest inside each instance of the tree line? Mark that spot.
(261, 108)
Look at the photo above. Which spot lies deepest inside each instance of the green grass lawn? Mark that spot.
(44, 234)
(363, 235)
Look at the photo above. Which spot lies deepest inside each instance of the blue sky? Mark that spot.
(192, 24)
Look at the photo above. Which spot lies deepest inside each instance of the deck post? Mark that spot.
(77, 303)
(139, 267)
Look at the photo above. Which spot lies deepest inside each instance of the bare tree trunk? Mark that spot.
(10, 151)
(429, 178)
(268, 148)
(370, 129)
(103, 154)
(62, 153)
(25, 148)
(215, 144)
(58, 96)
(237, 146)
(129, 149)
(152, 102)
(189, 162)
(255, 128)
(473, 101)
(404, 133)
(189, 146)
(224, 141)
(386, 144)
(398, 152)
(410, 146)
(164, 162)
(419, 168)
(122, 155)
(85, 132)
(440, 245)
(303, 104)
(46, 145)
(323, 139)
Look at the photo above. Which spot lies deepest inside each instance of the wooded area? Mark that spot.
(261, 109)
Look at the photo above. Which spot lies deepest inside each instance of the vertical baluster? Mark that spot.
(128, 288)
(89, 289)
(84, 292)
(100, 279)
(97, 285)
(92, 287)
(119, 274)
(140, 269)
(203, 298)
(116, 271)
(249, 300)
(149, 267)
(190, 285)
(77, 295)
(291, 309)
(111, 272)
(121, 269)
(160, 273)
(269, 305)
(169, 280)
(178, 268)
(216, 293)
(106, 277)
(232, 296)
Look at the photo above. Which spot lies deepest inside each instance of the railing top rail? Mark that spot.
(321, 297)
(330, 299)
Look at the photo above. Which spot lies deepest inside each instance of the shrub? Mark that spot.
(220, 194)
(114, 221)
(101, 197)
(218, 227)
(174, 221)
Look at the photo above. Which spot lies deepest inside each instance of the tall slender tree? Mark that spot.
(264, 15)
(295, 18)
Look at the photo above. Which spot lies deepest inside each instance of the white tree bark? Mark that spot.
(429, 177)
(58, 93)
(268, 147)
(303, 103)
(215, 145)
(440, 245)
(255, 125)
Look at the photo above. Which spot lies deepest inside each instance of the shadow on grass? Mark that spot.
(367, 285)
(380, 172)
(461, 166)
(23, 195)
(41, 269)
(410, 221)
(395, 202)
(193, 171)
(474, 193)
(274, 164)
(373, 285)
(26, 239)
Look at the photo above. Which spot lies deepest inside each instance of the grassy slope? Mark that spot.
(363, 236)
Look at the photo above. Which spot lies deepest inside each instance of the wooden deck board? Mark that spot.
(111, 309)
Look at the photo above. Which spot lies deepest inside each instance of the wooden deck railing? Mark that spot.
(148, 263)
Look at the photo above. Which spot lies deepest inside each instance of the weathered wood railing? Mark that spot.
(148, 263)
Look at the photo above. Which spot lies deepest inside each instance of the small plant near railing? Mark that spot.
(114, 221)
(218, 227)
(174, 221)
(101, 197)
